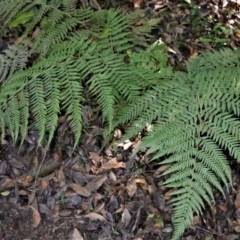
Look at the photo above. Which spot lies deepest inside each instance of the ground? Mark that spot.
(83, 193)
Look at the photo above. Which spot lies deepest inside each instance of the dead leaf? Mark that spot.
(167, 195)
(112, 176)
(65, 213)
(36, 218)
(36, 33)
(237, 200)
(126, 217)
(96, 159)
(61, 177)
(161, 170)
(76, 235)
(237, 33)
(95, 216)
(23, 192)
(143, 183)
(43, 183)
(125, 145)
(223, 208)
(79, 189)
(136, 3)
(112, 164)
(6, 184)
(96, 183)
(25, 180)
(131, 186)
(99, 208)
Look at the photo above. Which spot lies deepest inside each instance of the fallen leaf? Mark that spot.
(25, 180)
(23, 192)
(65, 213)
(79, 189)
(43, 183)
(126, 217)
(161, 170)
(131, 186)
(5, 193)
(136, 3)
(223, 208)
(96, 183)
(143, 183)
(95, 216)
(61, 177)
(76, 235)
(36, 218)
(6, 183)
(99, 208)
(125, 145)
(96, 159)
(112, 164)
(237, 200)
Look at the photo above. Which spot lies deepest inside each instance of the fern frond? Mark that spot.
(11, 60)
(195, 118)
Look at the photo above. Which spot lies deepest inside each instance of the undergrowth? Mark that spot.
(193, 114)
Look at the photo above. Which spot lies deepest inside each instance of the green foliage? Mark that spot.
(195, 123)
(92, 56)
(193, 115)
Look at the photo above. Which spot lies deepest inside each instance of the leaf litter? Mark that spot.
(82, 194)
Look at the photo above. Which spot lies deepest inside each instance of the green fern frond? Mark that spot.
(194, 118)
(11, 60)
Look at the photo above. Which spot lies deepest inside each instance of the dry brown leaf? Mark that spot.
(8, 183)
(76, 235)
(96, 159)
(96, 183)
(65, 213)
(223, 208)
(79, 189)
(196, 220)
(112, 164)
(131, 186)
(23, 192)
(43, 183)
(136, 3)
(237, 200)
(167, 195)
(36, 218)
(36, 32)
(161, 170)
(25, 180)
(237, 33)
(95, 216)
(126, 217)
(61, 177)
(143, 183)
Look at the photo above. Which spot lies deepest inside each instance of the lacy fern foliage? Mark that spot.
(93, 57)
(195, 123)
(194, 115)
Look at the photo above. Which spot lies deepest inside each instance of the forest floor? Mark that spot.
(65, 194)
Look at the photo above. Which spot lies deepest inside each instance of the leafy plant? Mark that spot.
(195, 125)
(193, 114)
(93, 56)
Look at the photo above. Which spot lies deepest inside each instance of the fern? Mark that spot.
(194, 114)
(11, 60)
(194, 118)
(80, 47)
(54, 21)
